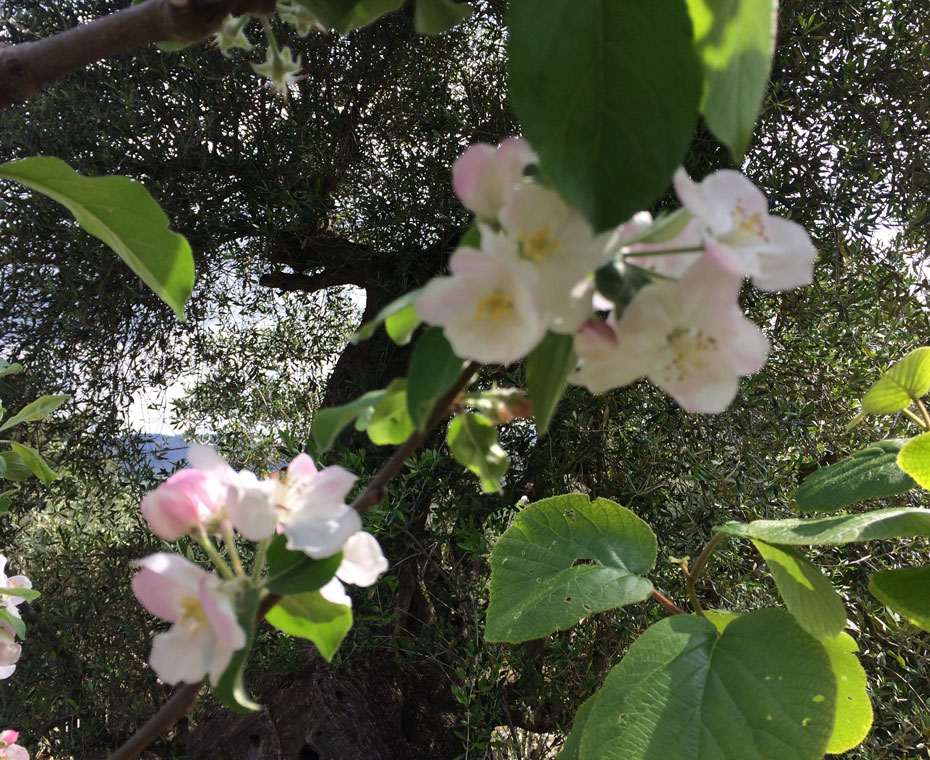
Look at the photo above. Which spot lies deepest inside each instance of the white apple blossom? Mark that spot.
(10, 652)
(362, 563)
(741, 236)
(9, 602)
(9, 749)
(201, 607)
(486, 307)
(484, 176)
(688, 337)
(672, 265)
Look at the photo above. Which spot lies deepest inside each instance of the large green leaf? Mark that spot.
(16, 623)
(9, 369)
(547, 369)
(762, 689)
(436, 16)
(36, 464)
(389, 423)
(607, 93)
(395, 308)
(914, 459)
(38, 409)
(473, 442)
(29, 594)
(434, 368)
(563, 559)
(328, 423)
(16, 469)
(872, 473)
(230, 690)
(735, 40)
(809, 596)
(906, 591)
(310, 616)
(120, 212)
(853, 706)
(907, 380)
(573, 742)
(291, 572)
(346, 15)
(835, 531)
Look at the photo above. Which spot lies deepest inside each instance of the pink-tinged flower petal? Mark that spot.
(362, 560)
(10, 651)
(335, 592)
(320, 537)
(483, 176)
(219, 661)
(302, 466)
(180, 504)
(326, 492)
(6, 671)
(9, 736)
(789, 263)
(182, 656)
(15, 752)
(164, 582)
(251, 507)
(221, 613)
(207, 460)
(691, 197)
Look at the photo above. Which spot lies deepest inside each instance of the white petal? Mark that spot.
(335, 592)
(181, 654)
(320, 538)
(362, 560)
(251, 507)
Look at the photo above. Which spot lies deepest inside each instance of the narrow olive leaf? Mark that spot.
(368, 329)
(120, 212)
(291, 572)
(2, 467)
(16, 469)
(906, 591)
(230, 690)
(608, 95)
(16, 623)
(437, 16)
(473, 442)
(807, 594)
(36, 464)
(573, 741)
(389, 423)
(9, 369)
(835, 531)
(310, 616)
(853, 706)
(872, 473)
(328, 423)
(563, 559)
(38, 409)
(914, 459)
(906, 381)
(762, 689)
(434, 368)
(29, 594)
(347, 15)
(547, 369)
(735, 40)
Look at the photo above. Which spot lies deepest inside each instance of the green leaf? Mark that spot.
(230, 690)
(619, 283)
(401, 325)
(9, 369)
(434, 368)
(437, 16)
(608, 95)
(735, 40)
(473, 442)
(36, 464)
(18, 626)
(29, 594)
(2, 467)
(120, 212)
(38, 409)
(906, 381)
(721, 618)
(4, 500)
(914, 459)
(573, 742)
(853, 707)
(328, 423)
(547, 369)
(906, 591)
(346, 15)
(808, 595)
(292, 572)
(835, 531)
(390, 423)
(762, 689)
(404, 302)
(666, 226)
(563, 559)
(310, 616)
(868, 474)
(16, 469)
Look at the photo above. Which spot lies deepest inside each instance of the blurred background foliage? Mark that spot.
(308, 216)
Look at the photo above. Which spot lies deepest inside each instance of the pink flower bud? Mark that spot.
(9, 737)
(182, 503)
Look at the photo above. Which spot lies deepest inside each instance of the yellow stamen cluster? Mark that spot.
(494, 306)
(193, 612)
(538, 245)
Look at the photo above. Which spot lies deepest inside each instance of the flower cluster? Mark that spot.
(534, 271)
(306, 505)
(9, 749)
(9, 649)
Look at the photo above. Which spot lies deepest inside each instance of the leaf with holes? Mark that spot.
(872, 473)
(563, 559)
(906, 381)
(762, 689)
(906, 591)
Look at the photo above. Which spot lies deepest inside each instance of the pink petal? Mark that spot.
(165, 580)
(221, 613)
(302, 466)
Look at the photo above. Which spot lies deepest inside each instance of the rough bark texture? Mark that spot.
(369, 708)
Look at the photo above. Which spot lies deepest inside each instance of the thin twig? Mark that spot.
(696, 569)
(667, 603)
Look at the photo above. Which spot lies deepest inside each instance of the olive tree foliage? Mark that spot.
(348, 185)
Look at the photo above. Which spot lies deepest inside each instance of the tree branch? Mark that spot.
(29, 66)
(307, 283)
